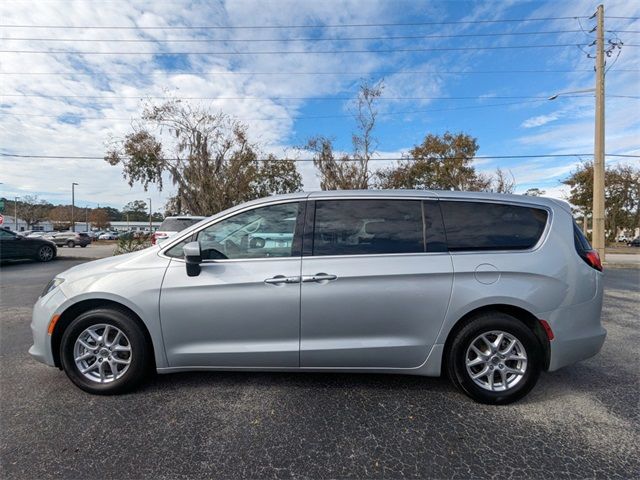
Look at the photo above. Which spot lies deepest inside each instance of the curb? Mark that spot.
(630, 266)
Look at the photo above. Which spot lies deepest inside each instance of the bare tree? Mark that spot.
(349, 172)
(503, 182)
(33, 210)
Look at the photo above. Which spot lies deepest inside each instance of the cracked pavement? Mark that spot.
(580, 422)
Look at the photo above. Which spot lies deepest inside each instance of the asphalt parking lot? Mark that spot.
(580, 422)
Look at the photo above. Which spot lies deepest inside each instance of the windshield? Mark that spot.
(177, 224)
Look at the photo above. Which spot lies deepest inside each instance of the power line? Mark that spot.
(374, 73)
(307, 52)
(303, 39)
(266, 27)
(380, 159)
(313, 117)
(164, 97)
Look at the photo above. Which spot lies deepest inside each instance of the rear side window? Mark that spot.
(582, 244)
(177, 224)
(361, 227)
(474, 226)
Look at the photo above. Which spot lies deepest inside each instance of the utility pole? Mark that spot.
(86, 218)
(150, 213)
(598, 225)
(73, 201)
(15, 212)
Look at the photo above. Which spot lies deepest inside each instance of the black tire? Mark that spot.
(141, 353)
(83, 245)
(484, 323)
(45, 253)
(71, 244)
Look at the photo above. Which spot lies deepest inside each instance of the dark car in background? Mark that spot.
(635, 242)
(70, 239)
(14, 247)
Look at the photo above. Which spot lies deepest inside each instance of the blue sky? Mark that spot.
(46, 122)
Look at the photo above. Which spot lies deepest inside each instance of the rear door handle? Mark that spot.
(319, 277)
(278, 279)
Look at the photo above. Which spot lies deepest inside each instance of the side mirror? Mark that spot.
(193, 258)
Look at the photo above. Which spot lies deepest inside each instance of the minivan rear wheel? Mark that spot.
(105, 352)
(495, 359)
(71, 244)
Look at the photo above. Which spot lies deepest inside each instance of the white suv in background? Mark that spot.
(173, 225)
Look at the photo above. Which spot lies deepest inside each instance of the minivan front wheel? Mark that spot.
(495, 358)
(104, 351)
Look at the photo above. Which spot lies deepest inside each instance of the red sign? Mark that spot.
(1, 219)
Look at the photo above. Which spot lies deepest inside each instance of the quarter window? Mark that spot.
(491, 226)
(361, 227)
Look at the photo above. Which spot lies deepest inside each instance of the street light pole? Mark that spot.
(150, 214)
(598, 235)
(73, 201)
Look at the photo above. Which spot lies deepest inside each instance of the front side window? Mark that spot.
(263, 232)
(475, 226)
(361, 227)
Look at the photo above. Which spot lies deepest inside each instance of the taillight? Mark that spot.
(593, 259)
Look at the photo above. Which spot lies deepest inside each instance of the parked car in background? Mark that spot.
(489, 289)
(14, 246)
(623, 238)
(70, 239)
(94, 234)
(172, 225)
(108, 236)
(635, 242)
(38, 234)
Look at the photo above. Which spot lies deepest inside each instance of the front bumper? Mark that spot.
(45, 308)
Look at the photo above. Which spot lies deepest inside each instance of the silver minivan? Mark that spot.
(488, 289)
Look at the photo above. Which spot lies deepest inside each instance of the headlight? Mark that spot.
(51, 285)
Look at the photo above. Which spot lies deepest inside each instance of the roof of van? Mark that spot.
(440, 194)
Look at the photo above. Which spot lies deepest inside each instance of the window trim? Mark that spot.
(538, 244)
(192, 235)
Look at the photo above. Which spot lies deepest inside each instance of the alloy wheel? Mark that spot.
(45, 253)
(496, 361)
(102, 353)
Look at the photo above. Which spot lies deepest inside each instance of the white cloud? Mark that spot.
(539, 120)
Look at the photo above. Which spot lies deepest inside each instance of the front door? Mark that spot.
(375, 285)
(243, 309)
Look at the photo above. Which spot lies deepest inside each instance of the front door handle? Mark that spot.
(319, 277)
(278, 279)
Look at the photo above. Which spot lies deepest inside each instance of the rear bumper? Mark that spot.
(578, 331)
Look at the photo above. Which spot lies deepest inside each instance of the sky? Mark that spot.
(438, 76)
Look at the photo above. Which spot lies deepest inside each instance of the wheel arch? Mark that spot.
(73, 311)
(523, 315)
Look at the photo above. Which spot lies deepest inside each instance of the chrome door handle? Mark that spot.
(318, 277)
(278, 279)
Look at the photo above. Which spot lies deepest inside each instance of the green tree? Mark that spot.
(207, 156)
(349, 172)
(136, 211)
(622, 195)
(440, 163)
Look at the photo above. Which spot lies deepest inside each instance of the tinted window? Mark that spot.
(258, 233)
(6, 234)
(360, 227)
(491, 226)
(177, 224)
(580, 241)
